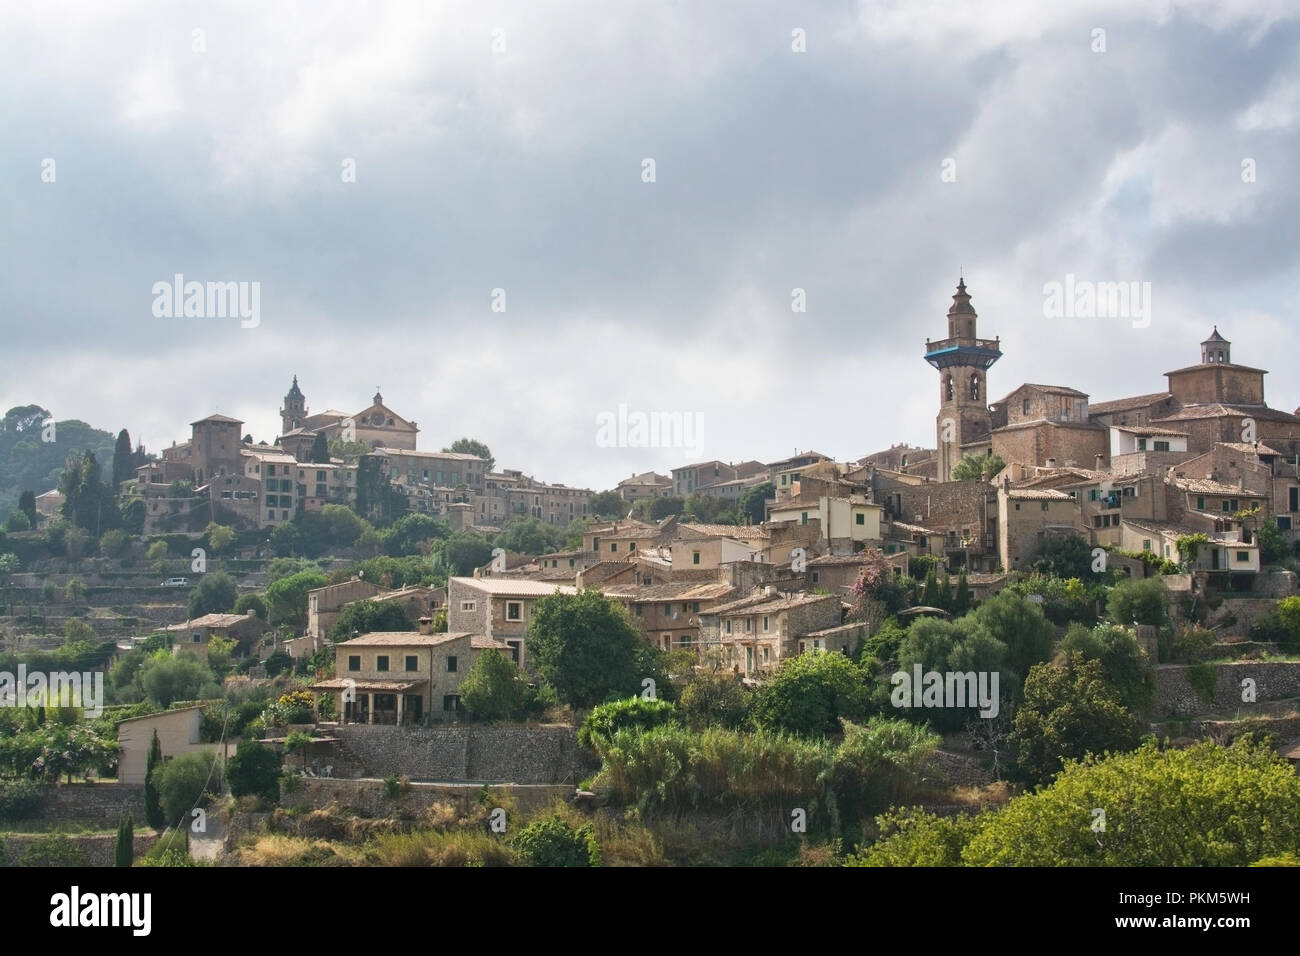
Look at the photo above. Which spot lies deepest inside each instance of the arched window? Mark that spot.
(947, 384)
(975, 388)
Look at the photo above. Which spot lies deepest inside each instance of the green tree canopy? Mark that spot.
(493, 689)
(472, 446)
(1138, 601)
(586, 648)
(1067, 713)
(809, 694)
(365, 616)
(286, 599)
(216, 594)
(977, 467)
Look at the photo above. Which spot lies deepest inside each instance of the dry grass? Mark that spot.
(278, 849)
(994, 794)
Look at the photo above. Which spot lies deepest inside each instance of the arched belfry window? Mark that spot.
(975, 388)
(947, 384)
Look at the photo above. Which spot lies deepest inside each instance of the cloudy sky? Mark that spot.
(504, 148)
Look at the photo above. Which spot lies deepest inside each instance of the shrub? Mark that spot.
(809, 694)
(254, 769)
(632, 714)
(53, 849)
(183, 783)
(715, 697)
(20, 799)
(493, 689)
(550, 841)
(1138, 601)
(395, 786)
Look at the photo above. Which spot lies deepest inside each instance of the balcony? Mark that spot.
(981, 353)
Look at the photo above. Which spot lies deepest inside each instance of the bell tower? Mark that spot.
(294, 412)
(963, 361)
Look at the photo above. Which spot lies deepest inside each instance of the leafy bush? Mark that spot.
(1142, 601)
(493, 689)
(395, 786)
(254, 769)
(183, 784)
(632, 714)
(53, 849)
(20, 799)
(715, 697)
(809, 694)
(550, 841)
(1069, 712)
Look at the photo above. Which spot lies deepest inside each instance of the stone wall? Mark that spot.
(95, 804)
(533, 755)
(367, 796)
(98, 848)
(1274, 680)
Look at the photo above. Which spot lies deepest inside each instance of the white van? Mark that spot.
(176, 583)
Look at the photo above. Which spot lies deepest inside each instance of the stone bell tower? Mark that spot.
(963, 361)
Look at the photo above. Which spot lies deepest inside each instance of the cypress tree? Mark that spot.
(153, 811)
(320, 450)
(123, 459)
(124, 850)
(930, 590)
(962, 602)
(945, 593)
(27, 505)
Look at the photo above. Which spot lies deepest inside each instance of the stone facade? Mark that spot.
(1274, 680)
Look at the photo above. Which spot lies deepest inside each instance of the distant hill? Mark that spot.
(26, 462)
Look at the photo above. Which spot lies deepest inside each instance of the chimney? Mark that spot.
(1050, 463)
(1100, 458)
(426, 625)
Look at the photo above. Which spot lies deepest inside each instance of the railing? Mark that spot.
(994, 344)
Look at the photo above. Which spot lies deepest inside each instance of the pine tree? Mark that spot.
(962, 601)
(124, 850)
(320, 450)
(153, 811)
(930, 590)
(123, 459)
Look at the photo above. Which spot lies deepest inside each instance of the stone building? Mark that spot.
(760, 631)
(500, 608)
(398, 677)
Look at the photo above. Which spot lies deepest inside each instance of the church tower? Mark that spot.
(963, 362)
(294, 412)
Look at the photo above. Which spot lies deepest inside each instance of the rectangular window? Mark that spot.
(467, 605)
(270, 469)
(637, 609)
(1294, 494)
(695, 557)
(450, 702)
(1146, 544)
(354, 662)
(803, 518)
(861, 519)
(728, 627)
(1225, 507)
(613, 546)
(1243, 557)
(816, 576)
(381, 662)
(1142, 444)
(514, 651)
(1024, 407)
(1045, 505)
(749, 624)
(1162, 446)
(412, 662)
(451, 663)
(514, 611)
(1200, 502)
(765, 623)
